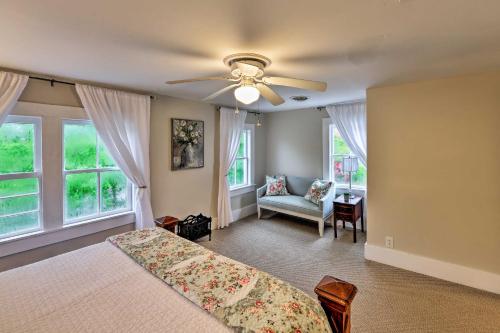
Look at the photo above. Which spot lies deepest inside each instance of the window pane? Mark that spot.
(113, 191)
(340, 177)
(18, 186)
(105, 159)
(359, 177)
(240, 172)
(16, 148)
(13, 205)
(231, 176)
(339, 145)
(242, 146)
(81, 195)
(80, 142)
(14, 224)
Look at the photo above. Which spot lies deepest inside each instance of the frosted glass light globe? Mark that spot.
(246, 94)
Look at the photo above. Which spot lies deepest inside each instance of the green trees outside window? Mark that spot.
(338, 150)
(238, 174)
(19, 185)
(93, 183)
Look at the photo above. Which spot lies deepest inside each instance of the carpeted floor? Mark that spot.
(388, 300)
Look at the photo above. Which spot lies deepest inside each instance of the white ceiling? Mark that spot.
(351, 44)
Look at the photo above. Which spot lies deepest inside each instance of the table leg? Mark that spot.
(334, 225)
(343, 224)
(354, 230)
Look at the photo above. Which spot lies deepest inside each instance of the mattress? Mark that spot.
(95, 289)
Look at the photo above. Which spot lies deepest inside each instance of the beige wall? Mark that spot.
(434, 169)
(183, 192)
(294, 142)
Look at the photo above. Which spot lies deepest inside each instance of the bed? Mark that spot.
(109, 287)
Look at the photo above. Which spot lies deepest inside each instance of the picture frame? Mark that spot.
(188, 144)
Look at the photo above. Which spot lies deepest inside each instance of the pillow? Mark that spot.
(318, 189)
(276, 185)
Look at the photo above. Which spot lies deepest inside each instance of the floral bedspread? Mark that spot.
(241, 296)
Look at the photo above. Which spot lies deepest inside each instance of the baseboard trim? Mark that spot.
(439, 269)
(243, 212)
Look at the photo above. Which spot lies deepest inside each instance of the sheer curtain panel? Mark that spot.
(11, 87)
(122, 122)
(231, 125)
(350, 120)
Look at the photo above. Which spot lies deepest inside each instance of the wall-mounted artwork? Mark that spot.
(187, 144)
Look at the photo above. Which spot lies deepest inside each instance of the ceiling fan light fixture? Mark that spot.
(246, 94)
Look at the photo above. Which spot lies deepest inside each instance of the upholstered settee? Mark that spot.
(295, 204)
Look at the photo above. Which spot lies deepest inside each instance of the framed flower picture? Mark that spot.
(187, 144)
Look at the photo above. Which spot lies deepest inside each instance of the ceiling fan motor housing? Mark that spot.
(256, 63)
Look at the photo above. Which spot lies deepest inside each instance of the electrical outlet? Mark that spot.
(389, 242)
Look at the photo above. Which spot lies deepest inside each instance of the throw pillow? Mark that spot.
(276, 185)
(318, 189)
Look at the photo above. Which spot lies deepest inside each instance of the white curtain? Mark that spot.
(11, 87)
(122, 122)
(231, 126)
(350, 120)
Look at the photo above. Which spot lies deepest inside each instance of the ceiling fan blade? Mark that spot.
(269, 94)
(223, 90)
(208, 78)
(295, 83)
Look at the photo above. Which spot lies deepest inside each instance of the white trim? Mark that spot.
(38, 239)
(467, 276)
(236, 191)
(243, 212)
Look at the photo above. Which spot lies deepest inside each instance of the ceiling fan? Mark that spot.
(249, 82)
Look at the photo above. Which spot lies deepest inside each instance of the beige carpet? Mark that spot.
(388, 299)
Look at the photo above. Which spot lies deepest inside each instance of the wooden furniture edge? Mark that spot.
(335, 297)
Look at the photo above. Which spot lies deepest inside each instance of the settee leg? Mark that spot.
(321, 227)
(258, 213)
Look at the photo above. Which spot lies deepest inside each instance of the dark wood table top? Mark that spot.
(165, 221)
(354, 201)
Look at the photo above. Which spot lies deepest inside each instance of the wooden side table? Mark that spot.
(350, 211)
(336, 297)
(167, 222)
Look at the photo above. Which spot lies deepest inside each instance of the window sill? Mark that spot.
(40, 238)
(236, 191)
(346, 187)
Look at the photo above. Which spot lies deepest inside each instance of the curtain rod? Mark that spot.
(52, 81)
(218, 107)
(354, 101)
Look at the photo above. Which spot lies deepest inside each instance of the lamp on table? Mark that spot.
(350, 164)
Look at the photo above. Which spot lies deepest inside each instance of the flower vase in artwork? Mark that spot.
(189, 158)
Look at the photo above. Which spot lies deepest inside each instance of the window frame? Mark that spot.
(98, 170)
(36, 173)
(328, 156)
(249, 184)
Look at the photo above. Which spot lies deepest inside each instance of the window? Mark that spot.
(20, 175)
(337, 150)
(240, 173)
(93, 185)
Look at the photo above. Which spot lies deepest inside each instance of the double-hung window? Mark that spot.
(93, 185)
(20, 176)
(337, 150)
(80, 191)
(240, 173)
